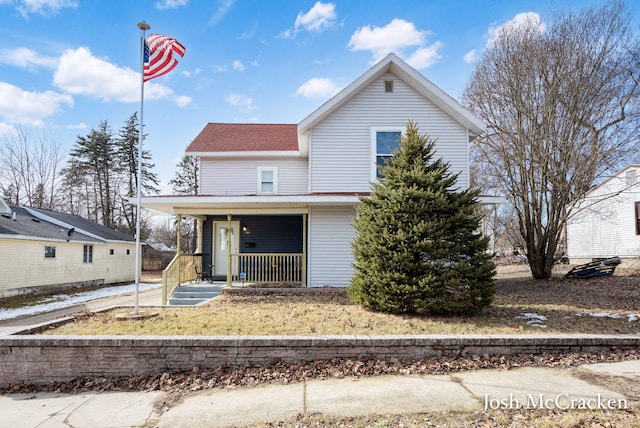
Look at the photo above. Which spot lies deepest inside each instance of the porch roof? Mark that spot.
(245, 204)
(195, 205)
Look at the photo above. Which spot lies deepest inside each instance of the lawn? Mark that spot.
(609, 305)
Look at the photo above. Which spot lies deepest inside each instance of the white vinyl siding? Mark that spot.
(330, 235)
(239, 176)
(340, 146)
(607, 226)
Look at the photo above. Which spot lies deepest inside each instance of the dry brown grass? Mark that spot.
(516, 294)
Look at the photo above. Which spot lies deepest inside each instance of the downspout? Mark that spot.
(229, 258)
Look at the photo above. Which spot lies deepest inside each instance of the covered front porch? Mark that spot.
(242, 249)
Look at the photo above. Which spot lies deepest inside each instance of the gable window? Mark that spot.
(267, 180)
(87, 254)
(49, 252)
(631, 177)
(388, 85)
(385, 141)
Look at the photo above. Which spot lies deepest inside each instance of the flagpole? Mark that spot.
(143, 26)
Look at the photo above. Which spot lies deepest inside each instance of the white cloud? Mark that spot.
(319, 17)
(243, 102)
(183, 101)
(29, 108)
(471, 56)
(396, 36)
(170, 4)
(223, 8)
(521, 20)
(26, 58)
(317, 87)
(6, 130)
(238, 66)
(43, 7)
(80, 125)
(425, 57)
(81, 73)
(195, 72)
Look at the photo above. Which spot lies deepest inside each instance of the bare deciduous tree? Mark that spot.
(562, 107)
(30, 164)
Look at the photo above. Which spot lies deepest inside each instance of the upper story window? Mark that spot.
(385, 141)
(87, 254)
(388, 85)
(637, 206)
(267, 180)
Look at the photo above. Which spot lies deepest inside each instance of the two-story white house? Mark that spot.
(279, 199)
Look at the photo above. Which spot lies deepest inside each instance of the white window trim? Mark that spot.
(273, 169)
(374, 148)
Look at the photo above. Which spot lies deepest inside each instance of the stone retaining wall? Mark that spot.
(45, 359)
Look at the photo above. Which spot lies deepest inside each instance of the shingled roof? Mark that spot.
(242, 137)
(20, 222)
(82, 224)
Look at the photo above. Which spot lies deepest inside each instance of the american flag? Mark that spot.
(158, 55)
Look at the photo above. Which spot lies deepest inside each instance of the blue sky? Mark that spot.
(65, 65)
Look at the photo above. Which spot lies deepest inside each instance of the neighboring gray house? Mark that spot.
(45, 251)
(277, 201)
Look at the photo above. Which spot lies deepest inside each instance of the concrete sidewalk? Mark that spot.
(483, 390)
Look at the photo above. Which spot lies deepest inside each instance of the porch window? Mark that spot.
(385, 140)
(49, 252)
(637, 206)
(87, 254)
(267, 180)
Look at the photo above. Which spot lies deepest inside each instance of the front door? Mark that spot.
(222, 236)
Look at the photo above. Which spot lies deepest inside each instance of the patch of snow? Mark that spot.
(534, 320)
(61, 301)
(630, 318)
(532, 316)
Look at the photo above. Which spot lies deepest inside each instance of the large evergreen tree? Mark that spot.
(418, 246)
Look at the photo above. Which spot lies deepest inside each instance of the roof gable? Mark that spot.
(394, 64)
(245, 137)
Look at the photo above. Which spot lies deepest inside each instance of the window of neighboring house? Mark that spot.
(128, 251)
(385, 140)
(637, 205)
(49, 252)
(631, 177)
(267, 180)
(87, 254)
(111, 251)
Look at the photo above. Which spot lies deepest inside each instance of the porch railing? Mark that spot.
(269, 268)
(181, 269)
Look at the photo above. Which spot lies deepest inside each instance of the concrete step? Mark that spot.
(199, 289)
(185, 301)
(180, 294)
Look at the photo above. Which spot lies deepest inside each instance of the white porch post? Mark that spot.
(229, 258)
(178, 248)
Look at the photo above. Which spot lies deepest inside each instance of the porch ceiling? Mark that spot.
(260, 204)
